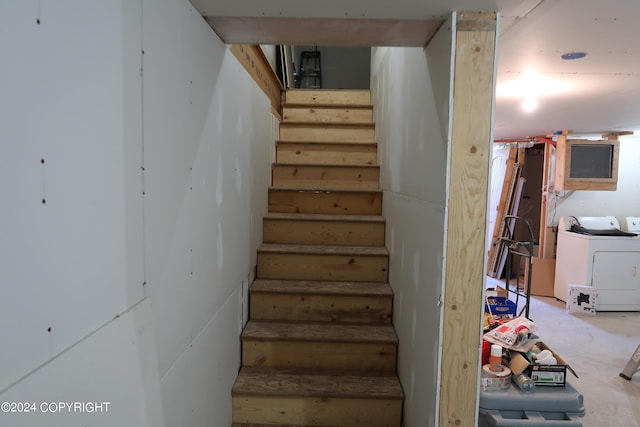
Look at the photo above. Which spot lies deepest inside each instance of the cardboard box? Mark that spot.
(548, 375)
(543, 273)
(498, 291)
(542, 375)
(582, 300)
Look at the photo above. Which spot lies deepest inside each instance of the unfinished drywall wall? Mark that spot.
(620, 203)
(74, 323)
(411, 109)
(207, 131)
(133, 185)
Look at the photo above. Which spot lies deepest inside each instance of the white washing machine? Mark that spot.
(609, 263)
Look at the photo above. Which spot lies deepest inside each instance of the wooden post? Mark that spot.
(475, 53)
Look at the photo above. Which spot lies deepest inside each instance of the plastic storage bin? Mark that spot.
(500, 306)
(544, 407)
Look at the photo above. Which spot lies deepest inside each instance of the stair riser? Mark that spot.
(323, 267)
(327, 115)
(323, 232)
(325, 202)
(317, 411)
(326, 154)
(321, 308)
(326, 133)
(319, 355)
(293, 176)
(342, 97)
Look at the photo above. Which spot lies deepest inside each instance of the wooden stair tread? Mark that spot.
(326, 190)
(327, 124)
(323, 250)
(329, 142)
(323, 217)
(315, 165)
(325, 332)
(309, 383)
(328, 106)
(313, 287)
(267, 425)
(328, 96)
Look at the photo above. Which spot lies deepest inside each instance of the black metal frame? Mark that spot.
(522, 248)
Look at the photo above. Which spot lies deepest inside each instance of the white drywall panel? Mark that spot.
(115, 365)
(203, 119)
(197, 388)
(263, 148)
(412, 149)
(498, 170)
(414, 236)
(71, 240)
(410, 92)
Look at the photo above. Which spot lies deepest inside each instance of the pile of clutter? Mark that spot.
(512, 352)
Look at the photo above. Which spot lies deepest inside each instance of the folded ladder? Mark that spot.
(632, 365)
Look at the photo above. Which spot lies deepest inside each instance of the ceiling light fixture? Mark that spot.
(573, 55)
(530, 104)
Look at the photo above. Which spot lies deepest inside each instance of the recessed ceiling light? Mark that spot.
(530, 104)
(573, 55)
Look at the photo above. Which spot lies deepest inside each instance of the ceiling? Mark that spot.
(598, 93)
(595, 94)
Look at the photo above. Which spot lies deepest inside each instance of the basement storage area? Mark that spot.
(586, 267)
(527, 382)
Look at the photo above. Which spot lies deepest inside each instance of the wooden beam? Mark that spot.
(616, 135)
(544, 246)
(511, 175)
(342, 31)
(475, 53)
(255, 62)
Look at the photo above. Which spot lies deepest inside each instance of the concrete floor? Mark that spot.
(597, 348)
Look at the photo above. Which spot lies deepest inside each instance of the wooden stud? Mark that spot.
(544, 245)
(473, 89)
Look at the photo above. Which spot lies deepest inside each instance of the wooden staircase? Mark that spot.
(319, 348)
